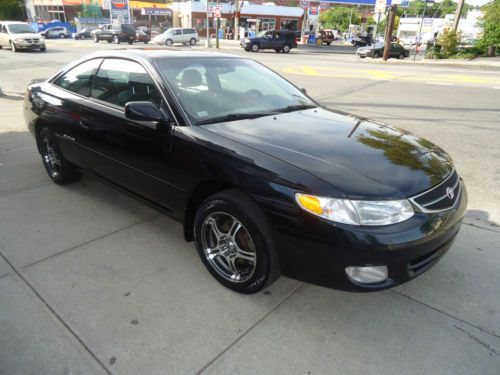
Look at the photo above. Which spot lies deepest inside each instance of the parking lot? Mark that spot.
(93, 281)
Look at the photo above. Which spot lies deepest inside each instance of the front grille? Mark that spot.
(441, 197)
(29, 40)
(35, 40)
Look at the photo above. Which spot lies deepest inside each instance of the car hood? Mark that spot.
(26, 36)
(361, 158)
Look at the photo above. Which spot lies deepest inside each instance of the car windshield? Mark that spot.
(262, 34)
(223, 89)
(20, 29)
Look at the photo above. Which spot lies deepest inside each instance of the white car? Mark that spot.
(19, 35)
(56, 32)
(177, 35)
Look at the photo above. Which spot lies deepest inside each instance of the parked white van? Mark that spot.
(19, 35)
(177, 35)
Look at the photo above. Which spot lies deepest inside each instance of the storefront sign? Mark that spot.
(156, 12)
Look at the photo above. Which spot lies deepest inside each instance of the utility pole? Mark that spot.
(417, 40)
(236, 19)
(390, 28)
(458, 12)
(207, 43)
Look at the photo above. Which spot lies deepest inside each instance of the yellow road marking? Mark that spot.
(339, 72)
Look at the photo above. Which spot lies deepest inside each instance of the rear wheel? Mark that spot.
(286, 48)
(62, 36)
(169, 42)
(376, 55)
(95, 39)
(131, 41)
(401, 56)
(192, 41)
(59, 169)
(234, 242)
(255, 47)
(13, 47)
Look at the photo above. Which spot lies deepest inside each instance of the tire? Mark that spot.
(192, 41)
(254, 47)
(109, 41)
(146, 41)
(328, 43)
(257, 267)
(130, 42)
(116, 40)
(169, 42)
(43, 49)
(278, 50)
(62, 36)
(376, 55)
(59, 169)
(286, 48)
(401, 56)
(13, 47)
(95, 39)
(362, 56)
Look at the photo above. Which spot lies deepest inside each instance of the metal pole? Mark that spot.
(207, 44)
(375, 34)
(420, 31)
(236, 19)
(217, 30)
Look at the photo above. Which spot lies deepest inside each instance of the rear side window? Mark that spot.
(121, 81)
(78, 79)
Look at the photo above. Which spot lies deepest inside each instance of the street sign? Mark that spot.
(380, 6)
(217, 12)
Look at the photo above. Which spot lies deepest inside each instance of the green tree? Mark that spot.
(12, 10)
(490, 22)
(338, 18)
(448, 42)
(437, 10)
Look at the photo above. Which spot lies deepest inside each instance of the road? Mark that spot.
(92, 281)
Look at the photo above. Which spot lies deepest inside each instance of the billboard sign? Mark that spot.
(119, 5)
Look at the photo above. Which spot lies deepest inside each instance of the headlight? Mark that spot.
(356, 212)
(19, 40)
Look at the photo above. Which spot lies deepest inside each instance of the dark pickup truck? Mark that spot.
(115, 34)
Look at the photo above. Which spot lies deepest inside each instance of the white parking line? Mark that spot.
(440, 83)
(496, 88)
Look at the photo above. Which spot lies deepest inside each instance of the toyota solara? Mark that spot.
(265, 180)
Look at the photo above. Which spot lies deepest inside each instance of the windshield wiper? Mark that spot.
(233, 117)
(296, 107)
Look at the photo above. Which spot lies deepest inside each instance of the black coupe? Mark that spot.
(266, 181)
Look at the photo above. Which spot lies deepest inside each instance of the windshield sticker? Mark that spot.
(202, 114)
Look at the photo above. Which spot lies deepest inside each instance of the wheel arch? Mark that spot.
(199, 193)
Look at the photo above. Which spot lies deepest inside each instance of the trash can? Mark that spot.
(492, 51)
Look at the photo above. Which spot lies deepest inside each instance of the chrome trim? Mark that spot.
(443, 196)
(424, 210)
(435, 187)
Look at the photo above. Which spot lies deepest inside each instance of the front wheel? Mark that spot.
(95, 39)
(255, 47)
(376, 55)
(169, 42)
(192, 41)
(58, 168)
(234, 242)
(62, 36)
(401, 56)
(13, 47)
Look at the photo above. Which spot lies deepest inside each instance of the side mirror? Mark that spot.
(142, 111)
(304, 91)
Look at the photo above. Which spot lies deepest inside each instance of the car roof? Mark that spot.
(157, 53)
(14, 22)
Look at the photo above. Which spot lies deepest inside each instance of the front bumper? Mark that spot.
(318, 251)
(28, 45)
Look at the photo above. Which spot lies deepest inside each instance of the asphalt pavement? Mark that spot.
(93, 281)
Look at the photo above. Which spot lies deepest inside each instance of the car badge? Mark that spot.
(450, 193)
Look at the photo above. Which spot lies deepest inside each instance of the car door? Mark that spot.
(133, 154)
(395, 50)
(177, 36)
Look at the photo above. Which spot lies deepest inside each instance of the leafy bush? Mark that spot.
(490, 22)
(448, 42)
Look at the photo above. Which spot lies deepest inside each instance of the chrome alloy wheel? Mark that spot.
(51, 157)
(228, 247)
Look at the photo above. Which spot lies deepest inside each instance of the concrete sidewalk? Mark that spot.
(92, 281)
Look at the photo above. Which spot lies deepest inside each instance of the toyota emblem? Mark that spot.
(450, 193)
